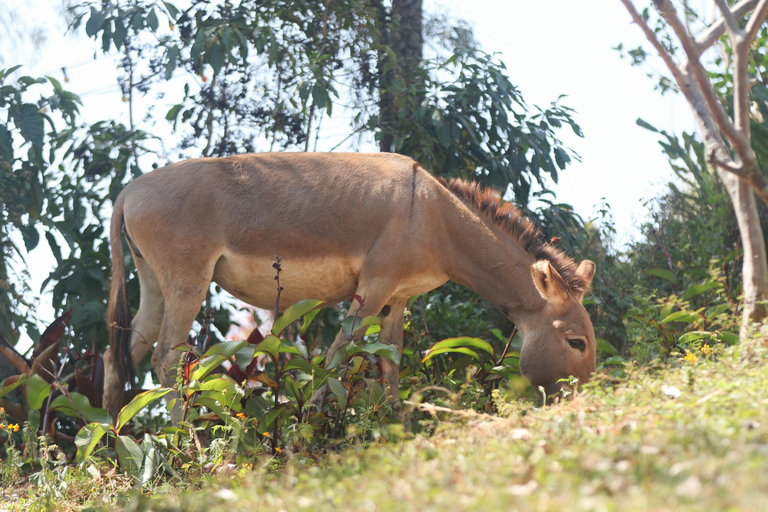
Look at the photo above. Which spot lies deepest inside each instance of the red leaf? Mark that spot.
(255, 337)
(85, 386)
(358, 298)
(52, 334)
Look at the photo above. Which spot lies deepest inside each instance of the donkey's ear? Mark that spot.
(587, 272)
(549, 283)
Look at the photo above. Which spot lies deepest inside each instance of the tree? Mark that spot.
(251, 76)
(727, 136)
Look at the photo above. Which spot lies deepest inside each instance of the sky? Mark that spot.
(550, 47)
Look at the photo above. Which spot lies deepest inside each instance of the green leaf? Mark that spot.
(83, 408)
(37, 390)
(728, 337)
(682, 316)
(716, 310)
(698, 289)
(152, 20)
(605, 347)
(10, 383)
(663, 273)
(269, 345)
(129, 455)
(225, 348)
(319, 95)
(206, 366)
(30, 123)
(361, 325)
(224, 385)
(295, 312)
(6, 145)
(94, 23)
(339, 390)
(215, 56)
(464, 341)
(383, 350)
(88, 438)
(691, 336)
(646, 125)
(139, 402)
(451, 350)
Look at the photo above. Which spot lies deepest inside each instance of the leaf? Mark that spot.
(663, 273)
(215, 56)
(129, 455)
(605, 347)
(383, 350)
(270, 345)
(152, 21)
(728, 337)
(450, 350)
(682, 316)
(94, 23)
(10, 383)
(646, 125)
(339, 390)
(319, 95)
(30, 123)
(361, 325)
(698, 289)
(295, 312)
(225, 348)
(464, 341)
(691, 336)
(149, 465)
(36, 390)
(84, 409)
(88, 438)
(52, 333)
(139, 402)
(206, 366)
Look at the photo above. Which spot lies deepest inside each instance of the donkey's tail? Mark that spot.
(118, 314)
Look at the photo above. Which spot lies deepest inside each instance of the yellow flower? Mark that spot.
(691, 357)
(705, 349)
(278, 449)
(267, 434)
(14, 427)
(240, 415)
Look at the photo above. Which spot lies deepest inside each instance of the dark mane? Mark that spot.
(505, 216)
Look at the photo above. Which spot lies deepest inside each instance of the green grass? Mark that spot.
(625, 444)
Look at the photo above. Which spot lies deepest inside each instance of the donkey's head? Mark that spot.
(558, 337)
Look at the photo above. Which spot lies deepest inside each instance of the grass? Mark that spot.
(684, 436)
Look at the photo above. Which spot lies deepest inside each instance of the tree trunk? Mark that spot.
(403, 33)
(754, 268)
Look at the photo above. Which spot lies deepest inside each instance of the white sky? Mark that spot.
(550, 47)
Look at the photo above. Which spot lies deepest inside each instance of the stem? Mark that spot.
(506, 349)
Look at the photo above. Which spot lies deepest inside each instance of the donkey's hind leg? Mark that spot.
(145, 331)
(183, 298)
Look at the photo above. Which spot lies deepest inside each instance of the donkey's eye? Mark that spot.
(578, 344)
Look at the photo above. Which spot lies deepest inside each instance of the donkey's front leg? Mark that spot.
(392, 334)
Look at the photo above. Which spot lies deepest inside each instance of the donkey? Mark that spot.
(375, 225)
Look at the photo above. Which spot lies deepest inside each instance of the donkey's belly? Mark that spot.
(252, 279)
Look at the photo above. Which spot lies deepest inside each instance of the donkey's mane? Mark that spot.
(505, 216)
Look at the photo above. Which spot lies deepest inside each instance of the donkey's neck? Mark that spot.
(482, 257)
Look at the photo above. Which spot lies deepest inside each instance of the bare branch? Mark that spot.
(739, 140)
(729, 165)
(730, 20)
(753, 25)
(717, 29)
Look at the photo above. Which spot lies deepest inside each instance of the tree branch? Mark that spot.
(717, 29)
(730, 20)
(753, 25)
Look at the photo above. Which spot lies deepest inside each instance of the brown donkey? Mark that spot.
(377, 225)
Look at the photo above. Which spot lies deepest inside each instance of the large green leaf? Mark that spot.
(464, 341)
(662, 273)
(129, 455)
(11, 383)
(269, 345)
(88, 438)
(383, 350)
(37, 390)
(225, 348)
(698, 289)
(361, 326)
(450, 350)
(139, 402)
(339, 390)
(30, 122)
(206, 366)
(82, 408)
(682, 316)
(605, 347)
(693, 336)
(295, 312)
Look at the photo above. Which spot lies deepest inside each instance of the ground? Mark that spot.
(686, 435)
